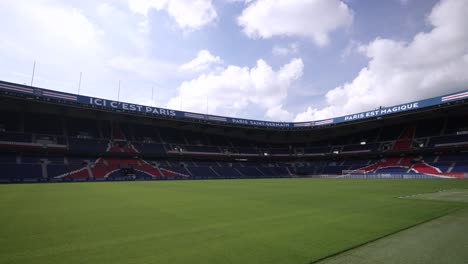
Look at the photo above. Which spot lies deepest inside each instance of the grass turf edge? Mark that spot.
(453, 211)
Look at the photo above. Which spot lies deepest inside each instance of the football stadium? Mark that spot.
(152, 185)
(234, 131)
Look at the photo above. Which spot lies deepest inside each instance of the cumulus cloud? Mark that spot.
(203, 61)
(54, 35)
(277, 113)
(235, 88)
(69, 29)
(105, 42)
(312, 19)
(431, 64)
(292, 48)
(188, 14)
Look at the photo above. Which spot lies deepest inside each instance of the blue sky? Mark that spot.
(282, 60)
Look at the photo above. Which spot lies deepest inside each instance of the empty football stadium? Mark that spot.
(93, 180)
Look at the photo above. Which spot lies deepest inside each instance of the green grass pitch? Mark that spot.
(218, 221)
(443, 240)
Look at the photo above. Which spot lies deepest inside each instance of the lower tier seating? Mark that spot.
(18, 167)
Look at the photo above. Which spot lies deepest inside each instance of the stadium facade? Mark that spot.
(50, 136)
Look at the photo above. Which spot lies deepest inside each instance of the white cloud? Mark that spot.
(277, 113)
(121, 28)
(203, 61)
(308, 115)
(188, 14)
(67, 29)
(313, 19)
(58, 38)
(236, 88)
(292, 48)
(103, 41)
(431, 64)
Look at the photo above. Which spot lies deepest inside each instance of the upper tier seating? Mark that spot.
(15, 137)
(405, 140)
(206, 149)
(448, 141)
(428, 128)
(43, 124)
(79, 145)
(172, 136)
(317, 150)
(151, 148)
(360, 148)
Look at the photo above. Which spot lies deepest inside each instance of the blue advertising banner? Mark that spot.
(157, 111)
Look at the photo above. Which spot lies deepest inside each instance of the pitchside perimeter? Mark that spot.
(443, 240)
(445, 195)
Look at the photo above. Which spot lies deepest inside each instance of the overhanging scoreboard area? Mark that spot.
(162, 112)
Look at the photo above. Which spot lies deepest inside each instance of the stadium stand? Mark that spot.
(60, 141)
